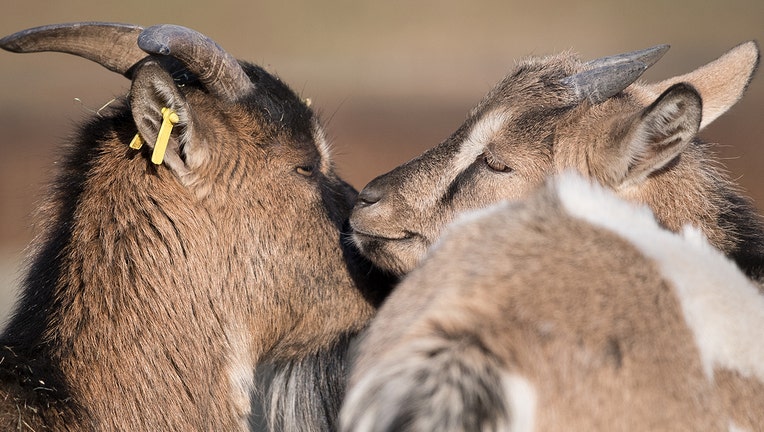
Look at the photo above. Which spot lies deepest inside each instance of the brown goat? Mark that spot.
(156, 289)
(570, 310)
(555, 113)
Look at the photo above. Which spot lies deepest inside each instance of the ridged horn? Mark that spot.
(607, 76)
(648, 56)
(600, 84)
(112, 45)
(217, 70)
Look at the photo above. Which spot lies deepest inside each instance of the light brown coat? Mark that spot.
(571, 310)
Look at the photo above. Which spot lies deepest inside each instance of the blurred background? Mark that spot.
(391, 78)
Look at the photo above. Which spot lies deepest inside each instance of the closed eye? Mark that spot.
(305, 170)
(495, 164)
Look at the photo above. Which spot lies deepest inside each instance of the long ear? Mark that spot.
(153, 90)
(720, 83)
(654, 136)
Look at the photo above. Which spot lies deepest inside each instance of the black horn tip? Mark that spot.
(26, 40)
(159, 39)
(217, 70)
(16, 42)
(652, 55)
(9, 44)
(600, 84)
(155, 39)
(153, 46)
(112, 45)
(648, 56)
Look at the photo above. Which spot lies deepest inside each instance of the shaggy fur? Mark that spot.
(154, 291)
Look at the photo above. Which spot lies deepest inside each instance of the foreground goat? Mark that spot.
(158, 286)
(572, 310)
(554, 113)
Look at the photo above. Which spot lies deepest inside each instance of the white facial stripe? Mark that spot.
(484, 131)
(720, 304)
(481, 134)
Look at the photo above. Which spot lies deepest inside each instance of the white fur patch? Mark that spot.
(241, 372)
(521, 403)
(319, 136)
(722, 307)
(483, 132)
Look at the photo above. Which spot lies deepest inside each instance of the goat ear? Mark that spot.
(720, 83)
(658, 134)
(154, 97)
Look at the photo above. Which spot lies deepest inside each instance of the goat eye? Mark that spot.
(495, 164)
(305, 170)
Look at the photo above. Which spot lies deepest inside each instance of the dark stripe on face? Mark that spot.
(457, 185)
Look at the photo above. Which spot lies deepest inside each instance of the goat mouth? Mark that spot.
(404, 235)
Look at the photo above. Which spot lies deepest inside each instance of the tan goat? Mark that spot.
(161, 281)
(555, 113)
(572, 310)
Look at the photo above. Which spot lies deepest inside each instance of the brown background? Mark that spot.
(391, 78)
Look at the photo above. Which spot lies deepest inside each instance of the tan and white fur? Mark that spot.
(555, 113)
(570, 310)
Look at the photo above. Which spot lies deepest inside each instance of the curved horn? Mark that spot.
(220, 72)
(648, 56)
(111, 45)
(598, 85)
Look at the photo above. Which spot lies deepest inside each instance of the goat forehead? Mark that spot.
(534, 81)
(485, 130)
(532, 101)
(277, 103)
(526, 98)
(444, 163)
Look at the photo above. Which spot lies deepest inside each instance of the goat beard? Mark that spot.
(303, 394)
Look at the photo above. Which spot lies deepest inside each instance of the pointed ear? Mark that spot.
(656, 135)
(720, 83)
(152, 90)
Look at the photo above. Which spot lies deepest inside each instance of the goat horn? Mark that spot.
(217, 70)
(598, 85)
(648, 56)
(111, 45)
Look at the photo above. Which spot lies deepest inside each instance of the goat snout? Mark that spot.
(370, 195)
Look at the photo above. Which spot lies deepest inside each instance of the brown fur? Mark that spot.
(640, 142)
(154, 290)
(526, 289)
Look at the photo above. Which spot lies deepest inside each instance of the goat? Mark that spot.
(161, 281)
(554, 113)
(569, 310)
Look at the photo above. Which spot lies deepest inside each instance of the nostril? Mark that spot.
(369, 196)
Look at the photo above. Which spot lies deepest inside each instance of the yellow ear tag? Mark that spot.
(169, 118)
(137, 142)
